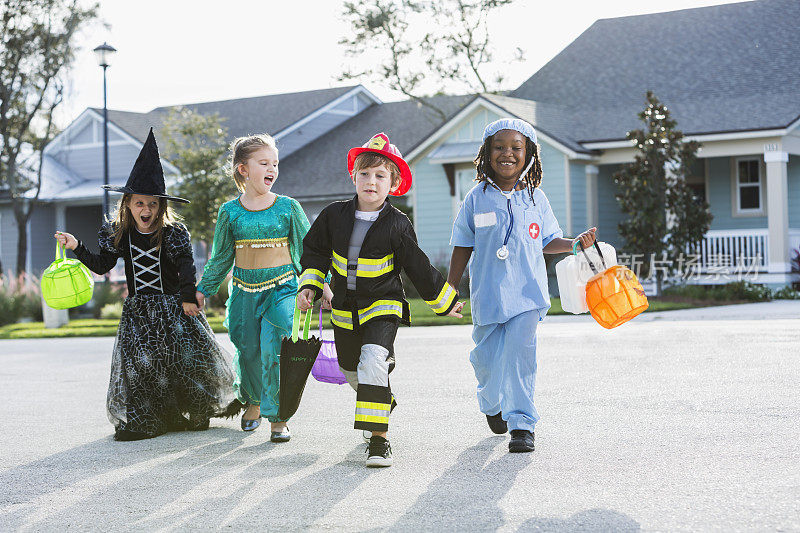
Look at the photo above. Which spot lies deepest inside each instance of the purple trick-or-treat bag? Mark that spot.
(326, 367)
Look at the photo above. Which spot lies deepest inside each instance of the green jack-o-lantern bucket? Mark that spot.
(67, 282)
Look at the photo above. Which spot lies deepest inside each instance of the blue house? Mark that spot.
(72, 170)
(729, 75)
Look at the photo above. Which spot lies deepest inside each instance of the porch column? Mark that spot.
(61, 217)
(592, 212)
(778, 211)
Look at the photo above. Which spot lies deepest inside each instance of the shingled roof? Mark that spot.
(725, 68)
(307, 172)
(243, 116)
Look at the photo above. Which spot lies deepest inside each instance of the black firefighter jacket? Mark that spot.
(389, 246)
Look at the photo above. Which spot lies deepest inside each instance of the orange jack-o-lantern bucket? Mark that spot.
(614, 295)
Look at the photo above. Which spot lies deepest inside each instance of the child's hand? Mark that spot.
(190, 309)
(201, 299)
(456, 310)
(327, 296)
(67, 240)
(586, 238)
(305, 299)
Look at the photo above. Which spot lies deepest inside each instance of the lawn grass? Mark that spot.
(421, 315)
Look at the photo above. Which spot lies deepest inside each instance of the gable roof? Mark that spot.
(553, 120)
(725, 68)
(319, 170)
(243, 116)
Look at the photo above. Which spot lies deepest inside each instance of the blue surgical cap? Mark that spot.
(516, 124)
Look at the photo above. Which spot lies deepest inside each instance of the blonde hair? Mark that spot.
(122, 220)
(242, 148)
(372, 160)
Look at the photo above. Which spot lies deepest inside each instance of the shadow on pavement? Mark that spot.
(590, 520)
(306, 500)
(54, 491)
(467, 495)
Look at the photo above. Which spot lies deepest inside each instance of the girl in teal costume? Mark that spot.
(261, 235)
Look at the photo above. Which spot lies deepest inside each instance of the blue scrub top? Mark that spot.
(501, 290)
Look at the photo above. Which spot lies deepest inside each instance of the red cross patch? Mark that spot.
(533, 230)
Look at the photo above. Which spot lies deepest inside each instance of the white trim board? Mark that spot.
(709, 137)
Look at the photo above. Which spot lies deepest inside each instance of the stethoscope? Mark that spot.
(502, 252)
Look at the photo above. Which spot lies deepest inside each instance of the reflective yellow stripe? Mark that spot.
(366, 268)
(372, 405)
(372, 268)
(313, 277)
(365, 261)
(339, 264)
(342, 319)
(443, 301)
(380, 308)
(343, 325)
(372, 418)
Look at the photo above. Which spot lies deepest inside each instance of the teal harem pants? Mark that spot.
(257, 321)
(366, 356)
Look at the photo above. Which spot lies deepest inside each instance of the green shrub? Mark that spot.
(10, 304)
(737, 291)
(693, 292)
(744, 290)
(786, 293)
(105, 293)
(20, 298)
(111, 310)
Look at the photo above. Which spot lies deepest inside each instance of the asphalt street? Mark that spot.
(676, 423)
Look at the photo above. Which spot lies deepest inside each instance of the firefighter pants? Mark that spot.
(366, 357)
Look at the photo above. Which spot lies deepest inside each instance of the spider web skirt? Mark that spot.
(166, 367)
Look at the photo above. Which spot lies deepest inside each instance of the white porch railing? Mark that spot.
(744, 249)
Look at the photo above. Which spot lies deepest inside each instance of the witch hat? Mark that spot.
(147, 176)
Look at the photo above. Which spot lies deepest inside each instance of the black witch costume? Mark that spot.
(167, 372)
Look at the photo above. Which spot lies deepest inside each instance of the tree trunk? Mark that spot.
(22, 242)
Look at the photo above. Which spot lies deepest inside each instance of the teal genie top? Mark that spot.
(284, 223)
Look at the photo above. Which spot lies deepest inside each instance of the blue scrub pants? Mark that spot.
(504, 360)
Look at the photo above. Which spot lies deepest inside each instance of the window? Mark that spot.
(465, 181)
(748, 186)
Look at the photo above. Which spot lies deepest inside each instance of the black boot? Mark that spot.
(521, 441)
(497, 424)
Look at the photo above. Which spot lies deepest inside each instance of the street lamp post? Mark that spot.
(104, 53)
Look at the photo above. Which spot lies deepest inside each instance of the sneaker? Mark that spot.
(366, 435)
(379, 452)
(497, 424)
(521, 441)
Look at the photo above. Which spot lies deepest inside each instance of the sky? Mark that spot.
(177, 51)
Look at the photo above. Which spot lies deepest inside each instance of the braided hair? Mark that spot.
(532, 179)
